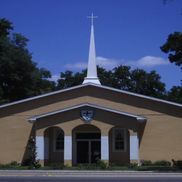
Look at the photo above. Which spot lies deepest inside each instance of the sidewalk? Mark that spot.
(87, 173)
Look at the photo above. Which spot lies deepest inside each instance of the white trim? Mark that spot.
(40, 147)
(104, 148)
(91, 80)
(139, 118)
(113, 140)
(41, 96)
(137, 95)
(134, 147)
(68, 148)
(91, 84)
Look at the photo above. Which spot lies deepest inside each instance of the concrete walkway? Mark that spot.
(87, 173)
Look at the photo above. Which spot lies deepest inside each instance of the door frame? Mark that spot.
(89, 145)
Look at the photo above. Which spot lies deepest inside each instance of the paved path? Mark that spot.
(88, 179)
(89, 173)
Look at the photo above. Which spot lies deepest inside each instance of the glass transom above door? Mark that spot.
(88, 136)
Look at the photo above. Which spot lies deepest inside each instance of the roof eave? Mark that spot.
(96, 85)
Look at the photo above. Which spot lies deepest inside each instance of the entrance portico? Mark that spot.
(86, 144)
(71, 140)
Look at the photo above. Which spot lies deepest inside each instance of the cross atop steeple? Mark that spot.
(92, 18)
(92, 67)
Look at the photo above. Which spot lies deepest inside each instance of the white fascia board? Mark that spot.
(32, 120)
(95, 85)
(139, 118)
(91, 80)
(137, 95)
(40, 96)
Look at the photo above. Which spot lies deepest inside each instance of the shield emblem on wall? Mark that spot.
(87, 115)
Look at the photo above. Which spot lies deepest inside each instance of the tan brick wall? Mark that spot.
(161, 138)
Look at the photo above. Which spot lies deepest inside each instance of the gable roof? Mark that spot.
(137, 117)
(94, 85)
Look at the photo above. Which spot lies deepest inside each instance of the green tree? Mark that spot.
(175, 94)
(173, 47)
(105, 77)
(19, 75)
(5, 27)
(147, 83)
(122, 78)
(70, 79)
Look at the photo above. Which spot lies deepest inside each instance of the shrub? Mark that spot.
(177, 164)
(32, 162)
(162, 163)
(57, 166)
(154, 168)
(11, 165)
(133, 165)
(87, 166)
(156, 163)
(14, 163)
(102, 164)
(146, 163)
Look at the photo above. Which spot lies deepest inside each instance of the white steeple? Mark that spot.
(92, 67)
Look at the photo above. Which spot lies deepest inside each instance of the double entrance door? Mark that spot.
(88, 149)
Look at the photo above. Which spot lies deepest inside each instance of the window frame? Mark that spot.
(114, 141)
(57, 131)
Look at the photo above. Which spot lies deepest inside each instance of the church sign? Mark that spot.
(87, 115)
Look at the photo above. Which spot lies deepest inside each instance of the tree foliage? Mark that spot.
(21, 78)
(19, 75)
(121, 77)
(173, 47)
(147, 83)
(5, 27)
(70, 79)
(175, 94)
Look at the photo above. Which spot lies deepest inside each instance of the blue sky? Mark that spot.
(128, 32)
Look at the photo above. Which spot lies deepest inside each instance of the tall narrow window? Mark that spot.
(119, 139)
(59, 140)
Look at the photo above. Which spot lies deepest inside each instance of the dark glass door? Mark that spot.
(95, 151)
(82, 151)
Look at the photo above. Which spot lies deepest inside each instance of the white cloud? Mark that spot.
(107, 63)
(146, 61)
(79, 65)
(110, 63)
(151, 61)
(101, 61)
(54, 78)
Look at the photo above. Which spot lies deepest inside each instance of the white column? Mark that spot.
(68, 148)
(105, 148)
(40, 147)
(134, 148)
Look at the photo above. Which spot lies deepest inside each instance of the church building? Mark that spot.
(91, 122)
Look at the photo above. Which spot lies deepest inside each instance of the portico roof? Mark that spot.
(137, 117)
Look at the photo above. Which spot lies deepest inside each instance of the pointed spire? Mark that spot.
(92, 67)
